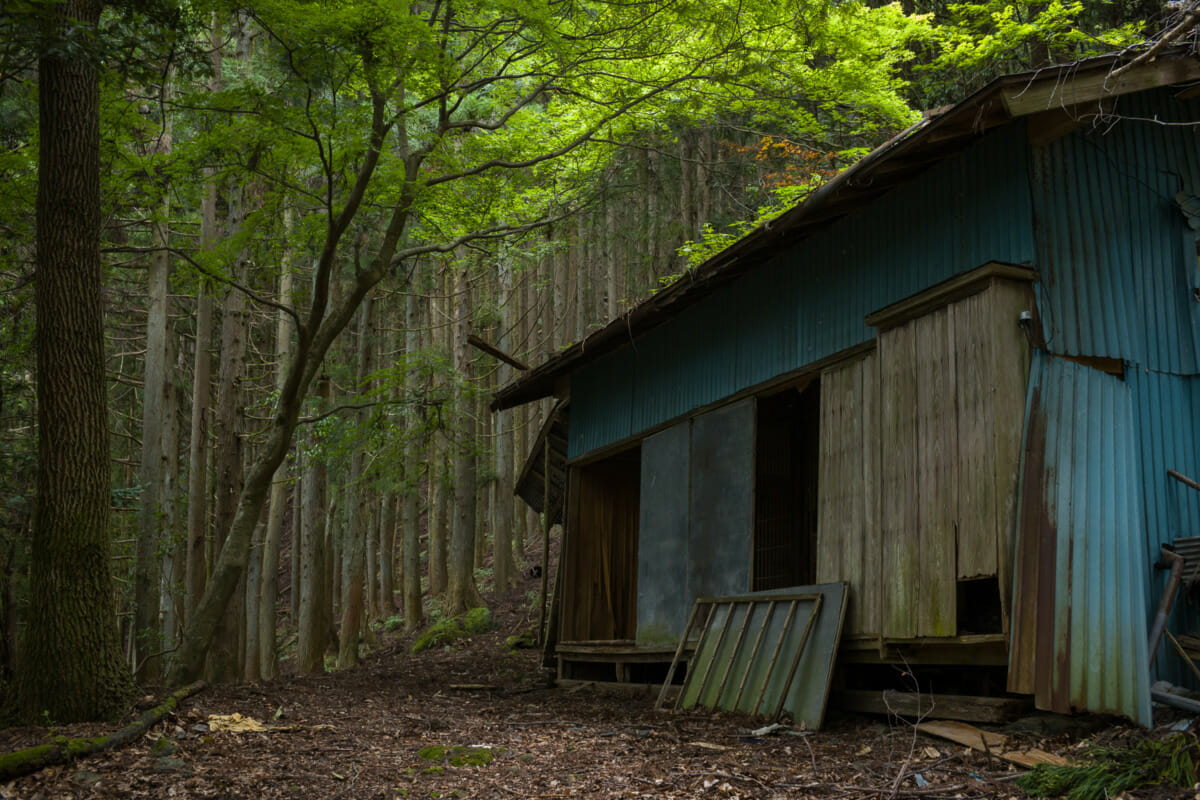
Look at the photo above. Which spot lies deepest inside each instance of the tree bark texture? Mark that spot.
(268, 588)
(316, 612)
(72, 667)
(152, 472)
(414, 612)
(461, 592)
(358, 516)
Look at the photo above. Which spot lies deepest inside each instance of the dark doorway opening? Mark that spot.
(785, 497)
(600, 554)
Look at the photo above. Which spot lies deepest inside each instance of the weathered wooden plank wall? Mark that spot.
(601, 552)
(848, 536)
(920, 447)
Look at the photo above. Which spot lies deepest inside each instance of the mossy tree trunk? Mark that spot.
(71, 665)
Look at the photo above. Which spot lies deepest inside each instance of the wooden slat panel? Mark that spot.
(840, 445)
(869, 596)
(848, 536)
(1011, 364)
(974, 331)
(602, 552)
(898, 470)
(937, 447)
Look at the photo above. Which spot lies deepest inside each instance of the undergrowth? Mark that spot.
(1107, 772)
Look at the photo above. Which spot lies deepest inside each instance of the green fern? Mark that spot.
(1106, 772)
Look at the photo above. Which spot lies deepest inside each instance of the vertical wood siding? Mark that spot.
(951, 392)
(848, 534)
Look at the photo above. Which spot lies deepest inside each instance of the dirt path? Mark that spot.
(367, 733)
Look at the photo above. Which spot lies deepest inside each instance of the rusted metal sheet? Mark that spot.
(1116, 255)
(1079, 621)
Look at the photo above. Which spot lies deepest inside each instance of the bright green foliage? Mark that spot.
(980, 41)
(1109, 772)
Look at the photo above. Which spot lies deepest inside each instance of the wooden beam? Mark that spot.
(496, 352)
(946, 292)
(937, 706)
(1055, 91)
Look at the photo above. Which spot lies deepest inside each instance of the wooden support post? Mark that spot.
(542, 636)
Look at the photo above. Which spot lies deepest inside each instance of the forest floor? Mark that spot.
(366, 732)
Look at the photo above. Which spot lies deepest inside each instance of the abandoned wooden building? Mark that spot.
(954, 378)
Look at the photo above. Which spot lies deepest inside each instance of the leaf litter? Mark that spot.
(361, 733)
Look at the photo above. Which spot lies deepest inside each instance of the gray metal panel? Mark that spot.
(663, 599)
(722, 501)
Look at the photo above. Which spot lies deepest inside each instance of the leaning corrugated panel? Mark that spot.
(1079, 632)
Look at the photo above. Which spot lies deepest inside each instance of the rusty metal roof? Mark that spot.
(908, 154)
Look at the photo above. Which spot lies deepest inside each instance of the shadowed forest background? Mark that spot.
(301, 213)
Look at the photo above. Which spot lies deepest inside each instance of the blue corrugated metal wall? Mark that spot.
(1116, 278)
(1166, 408)
(1089, 497)
(1118, 268)
(810, 301)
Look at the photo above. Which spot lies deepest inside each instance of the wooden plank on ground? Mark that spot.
(938, 706)
(995, 744)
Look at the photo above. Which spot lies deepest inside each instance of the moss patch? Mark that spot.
(453, 629)
(457, 756)
(521, 641)
(656, 634)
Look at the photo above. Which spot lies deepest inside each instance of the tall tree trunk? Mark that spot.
(196, 568)
(388, 523)
(461, 592)
(504, 569)
(198, 531)
(315, 614)
(71, 666)
(249, 592)
(355, 537)
(152, 474)
(277, 506)
(225, 662)
(414, 614)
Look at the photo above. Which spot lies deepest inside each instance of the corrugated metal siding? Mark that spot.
(810, 302)
(1080, 629)
(1170, 439)
(1116, 280)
